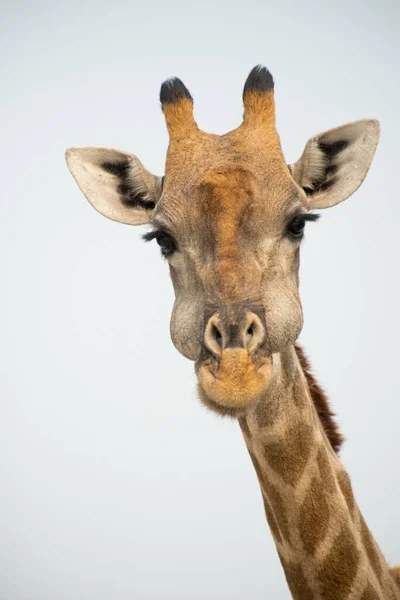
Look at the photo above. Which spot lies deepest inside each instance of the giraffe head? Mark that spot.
(229, 215)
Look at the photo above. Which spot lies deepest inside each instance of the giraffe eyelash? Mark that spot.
(296, 223)
(166, 242)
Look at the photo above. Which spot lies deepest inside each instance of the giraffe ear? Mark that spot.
(335, 163)
(116, 183)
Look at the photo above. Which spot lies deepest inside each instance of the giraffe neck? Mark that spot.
(325, 547)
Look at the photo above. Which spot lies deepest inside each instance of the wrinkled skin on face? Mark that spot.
(233, 247)
(229, 216)
(227, 203)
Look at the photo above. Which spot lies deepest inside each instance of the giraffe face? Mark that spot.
(230, 224)
(229, 216)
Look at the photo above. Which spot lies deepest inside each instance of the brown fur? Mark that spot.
(238, 383)
(269, 491)
(281, 458)
(312, 530)
(179, 118)
(296, 581)
(259, 109)
(226, 200)
(272, 521)
(339, 569)
(326, 471)
(326, 549)
(395, 572)
(369, 594)
(321, 403)
(371, 548)
(345, 486)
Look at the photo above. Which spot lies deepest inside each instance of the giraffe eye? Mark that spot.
(166, 242)
(296, 225)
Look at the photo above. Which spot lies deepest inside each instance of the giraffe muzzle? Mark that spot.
(234, 368)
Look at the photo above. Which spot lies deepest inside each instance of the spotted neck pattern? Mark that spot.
(325, 547)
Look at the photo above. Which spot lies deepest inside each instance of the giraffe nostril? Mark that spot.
(214, 336)
(249, 335)
(254, 333)
(217, 335)
(238, 331)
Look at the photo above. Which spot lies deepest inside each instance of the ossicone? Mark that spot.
(258, 98)
(177, 105)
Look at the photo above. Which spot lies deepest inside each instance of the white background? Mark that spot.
(115, 482)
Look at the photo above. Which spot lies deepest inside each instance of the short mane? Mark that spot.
(321, 402)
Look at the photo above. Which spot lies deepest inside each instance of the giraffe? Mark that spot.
(229, 215)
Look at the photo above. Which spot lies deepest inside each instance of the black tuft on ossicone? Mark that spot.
(173, 90)
(259, 79)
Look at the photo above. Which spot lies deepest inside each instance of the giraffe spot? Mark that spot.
(272, 521)
(345, 486)
(266, 413)
(274, 499)
(297, 582)
(370, 594)
(395, 573)
(371, 548)
(289, 457)
(325, 469)
(314, 515)
(339, 569)
(299, 397)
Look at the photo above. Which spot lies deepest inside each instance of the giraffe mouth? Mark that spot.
(234, 382)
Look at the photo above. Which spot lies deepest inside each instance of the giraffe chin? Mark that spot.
(235, 383)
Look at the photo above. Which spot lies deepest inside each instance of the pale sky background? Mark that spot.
(115, 482)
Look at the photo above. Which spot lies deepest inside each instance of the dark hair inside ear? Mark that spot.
(326, 176)
(332, 149)
(119, 169)
(131, 195)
